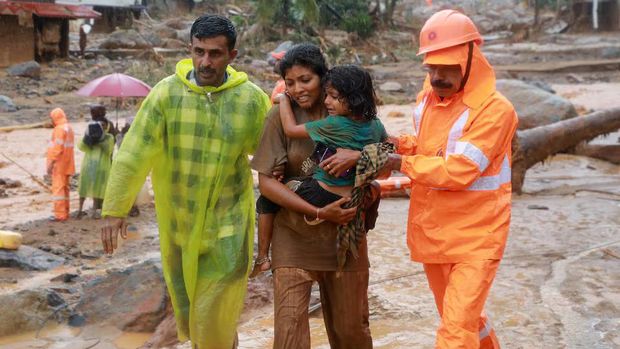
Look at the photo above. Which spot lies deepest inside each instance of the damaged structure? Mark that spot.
(114, 13)
(36, 30)
(600, 14)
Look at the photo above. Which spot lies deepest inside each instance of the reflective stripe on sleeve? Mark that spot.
(456, 132)
(493, 182)
(417, 115)
(486, 330)
(473, 153)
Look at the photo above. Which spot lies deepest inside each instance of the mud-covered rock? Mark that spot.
(173, 43)
(29, 258)
(391, 86)
(7, 105)
(133, 299)
(125, 39)
(535, 106)
(30, 69)
(29, 310)
(164, 32)
(183, 34)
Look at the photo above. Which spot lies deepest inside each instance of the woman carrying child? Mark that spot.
(97, 146)
(303, 253)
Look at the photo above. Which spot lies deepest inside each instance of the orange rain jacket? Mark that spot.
(60, 148)
(459, 162)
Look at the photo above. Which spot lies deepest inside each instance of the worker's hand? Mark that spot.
(109, 233)
(336, 214)
(338, 163)
(394, 162)
(394, 140)
(385, 171)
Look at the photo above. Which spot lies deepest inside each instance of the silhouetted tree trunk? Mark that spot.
(535, 145)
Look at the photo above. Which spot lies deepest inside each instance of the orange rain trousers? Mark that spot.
(60, 195)
(460, 291)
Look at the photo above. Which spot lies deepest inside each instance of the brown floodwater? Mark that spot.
(65, 337)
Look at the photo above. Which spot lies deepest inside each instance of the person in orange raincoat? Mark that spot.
(459, 163)
(280, 85)
(60, 163)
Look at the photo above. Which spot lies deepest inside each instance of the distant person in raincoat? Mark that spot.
(97, 146)
(194, 132)
(98, 113)
(60, 163)
(84, 30)
(280, 86)
(459, 162)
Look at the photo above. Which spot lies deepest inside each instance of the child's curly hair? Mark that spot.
(354, 85)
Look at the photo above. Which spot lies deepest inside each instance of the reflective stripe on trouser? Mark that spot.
(60, 195)
(460, 291)
(344, 300)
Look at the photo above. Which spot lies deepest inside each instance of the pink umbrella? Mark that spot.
(115, 85)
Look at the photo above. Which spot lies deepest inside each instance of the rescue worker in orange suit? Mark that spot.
(60, 163)
(280, 85)
(459, 163)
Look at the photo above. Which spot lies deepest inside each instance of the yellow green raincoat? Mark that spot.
(196, 141)
(95, 167)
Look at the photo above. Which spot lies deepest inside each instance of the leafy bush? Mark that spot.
(353, 15)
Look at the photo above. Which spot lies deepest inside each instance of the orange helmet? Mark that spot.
(445, 29)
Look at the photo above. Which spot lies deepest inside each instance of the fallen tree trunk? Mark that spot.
(535, 145)
(25, 127)
(607, 152)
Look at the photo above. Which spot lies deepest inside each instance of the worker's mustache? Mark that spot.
(205, 70)
(441, 83)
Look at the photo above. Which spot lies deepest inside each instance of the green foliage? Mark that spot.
(349, 15)
(551, 3)
(353, 15)
(362, 24)
(287, 12)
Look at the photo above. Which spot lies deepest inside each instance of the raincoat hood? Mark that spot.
(481, 82)
(58, 117)
(235, 78)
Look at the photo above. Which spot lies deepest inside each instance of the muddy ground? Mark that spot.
(557, 286)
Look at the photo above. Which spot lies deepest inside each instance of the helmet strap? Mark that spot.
(470, 54)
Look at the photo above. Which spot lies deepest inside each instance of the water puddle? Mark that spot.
(65, 337)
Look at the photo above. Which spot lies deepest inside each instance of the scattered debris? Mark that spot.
(395, 114)
(391, 86)
(30, 69)
(535, 106)
(28, 258)
(537, 207)
(7, 105)
(65, 277)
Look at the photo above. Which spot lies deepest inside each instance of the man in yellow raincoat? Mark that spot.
(60, 163)
(459, 163)
(194, 131)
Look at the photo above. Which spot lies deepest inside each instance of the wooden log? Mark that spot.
(535, 145)
(24, 127)
(606, 152)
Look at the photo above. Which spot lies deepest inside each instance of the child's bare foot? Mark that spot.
(261, 264)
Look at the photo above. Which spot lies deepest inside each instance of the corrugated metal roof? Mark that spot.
(45, 9)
